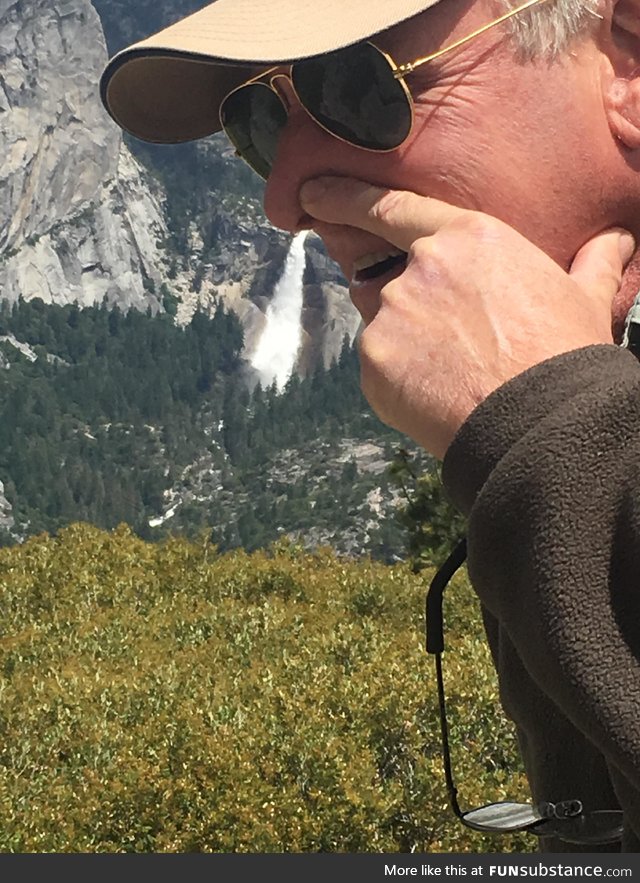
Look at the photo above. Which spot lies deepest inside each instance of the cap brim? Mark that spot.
(168, 88)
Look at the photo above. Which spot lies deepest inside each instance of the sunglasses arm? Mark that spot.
(435, 646)
(446, 754)
(433, 609)
(404, 69)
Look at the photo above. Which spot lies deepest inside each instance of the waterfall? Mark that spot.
(277, 349)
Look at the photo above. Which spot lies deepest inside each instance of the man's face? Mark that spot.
(527, 142)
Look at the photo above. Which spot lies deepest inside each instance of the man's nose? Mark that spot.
(301, 154)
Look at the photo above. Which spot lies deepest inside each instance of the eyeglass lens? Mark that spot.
(506, 816)
(598, 827)
(253, 119)
(351, 93)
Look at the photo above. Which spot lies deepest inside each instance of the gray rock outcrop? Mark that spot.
(82, 221)
(78, 220)
(7, 523)
(328, 314)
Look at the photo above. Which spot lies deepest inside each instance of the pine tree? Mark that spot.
(433, 525)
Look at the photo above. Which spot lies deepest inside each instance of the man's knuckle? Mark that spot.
(432, 258)
(421, 249)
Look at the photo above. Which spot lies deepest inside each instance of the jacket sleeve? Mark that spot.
(547, 470)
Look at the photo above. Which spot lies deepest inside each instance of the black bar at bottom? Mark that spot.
(325, 867)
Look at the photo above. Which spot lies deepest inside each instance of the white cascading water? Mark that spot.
(277, 350)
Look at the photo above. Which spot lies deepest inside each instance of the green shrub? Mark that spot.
(165, 698)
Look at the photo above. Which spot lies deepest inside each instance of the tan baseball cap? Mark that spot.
(168, 88)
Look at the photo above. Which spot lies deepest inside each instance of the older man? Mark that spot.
(473, 168)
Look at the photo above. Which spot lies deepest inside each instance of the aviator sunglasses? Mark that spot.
(566, 819)
(357, 94)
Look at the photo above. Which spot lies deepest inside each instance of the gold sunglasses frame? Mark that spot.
(399, 73)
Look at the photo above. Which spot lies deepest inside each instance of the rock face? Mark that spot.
(56, 143)
(328, 314)
(82, 221)
(78, 221)
(250, 257)
(7, 523)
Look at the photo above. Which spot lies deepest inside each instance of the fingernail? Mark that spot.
(627, 247)
(312, 191)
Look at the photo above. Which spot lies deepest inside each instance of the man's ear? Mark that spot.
(622, 86)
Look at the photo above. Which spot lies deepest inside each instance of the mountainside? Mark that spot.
(208, 380)
(78, 221)
(83, 219)
(112, 418)
(126, 21)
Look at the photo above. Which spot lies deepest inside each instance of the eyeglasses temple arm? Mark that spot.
(408, 68)
(433, 608)
(435, 646)
(446, 754)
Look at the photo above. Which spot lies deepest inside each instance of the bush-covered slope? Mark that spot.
(164, 698)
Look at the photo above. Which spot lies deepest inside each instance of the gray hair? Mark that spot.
(548, 29)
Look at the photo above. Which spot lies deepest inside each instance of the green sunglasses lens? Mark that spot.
(253, 118)
(353, 94)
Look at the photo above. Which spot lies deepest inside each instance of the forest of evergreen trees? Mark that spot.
(82, 424)
(116, 406)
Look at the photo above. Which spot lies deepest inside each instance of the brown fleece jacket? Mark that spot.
(548, 471)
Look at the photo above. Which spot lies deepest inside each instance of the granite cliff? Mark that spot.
(78, 220)
(82, 219)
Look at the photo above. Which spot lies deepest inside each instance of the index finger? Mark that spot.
(397, 216)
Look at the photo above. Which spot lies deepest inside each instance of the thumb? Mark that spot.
(600, 263)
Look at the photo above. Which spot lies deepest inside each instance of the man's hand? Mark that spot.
(476, 305)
